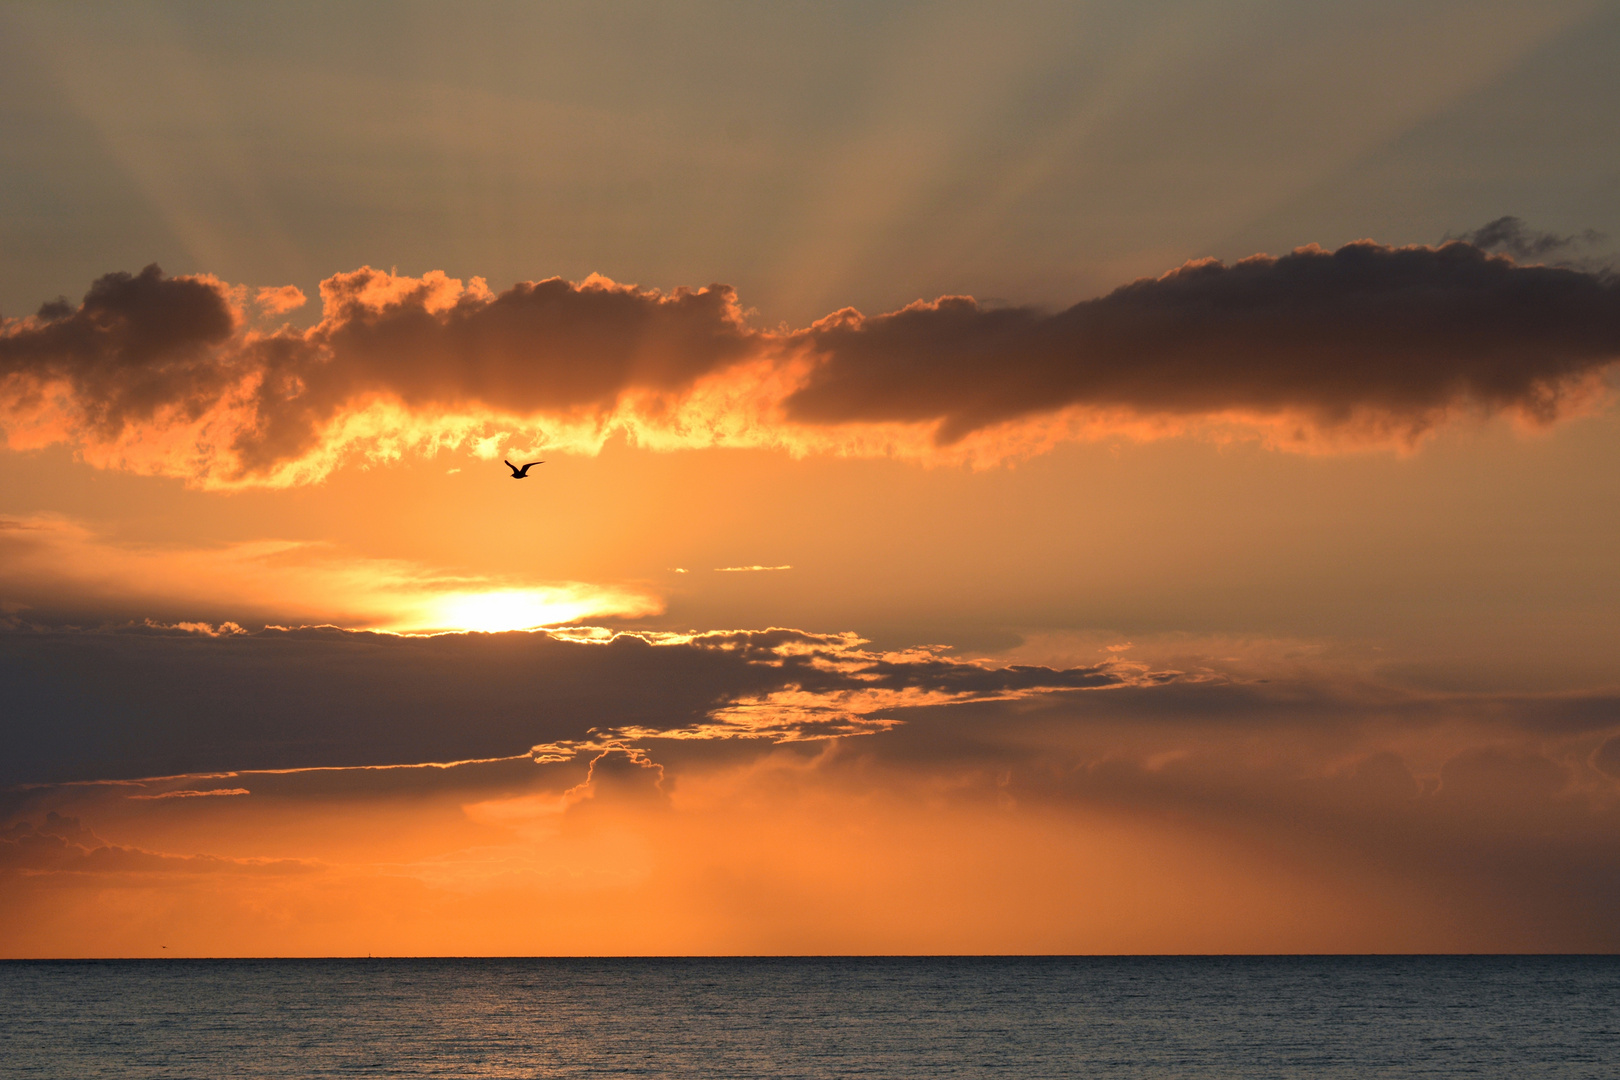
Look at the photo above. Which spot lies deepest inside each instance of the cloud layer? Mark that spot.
(722, 802)
(1366, 339)
(55, 569)
(61, 845)
(1365, 345)
(153, 701)
(166, 375)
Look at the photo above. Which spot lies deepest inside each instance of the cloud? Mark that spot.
(53, 568)
(260, 711)
(275, 300)
(193, 793)
(984, 807)
(139, 703)
(161, 375)
(61, 845)
(1368, 345)
(1510, 235)
(1314, 817)
(1366, 342)
(1607, 758)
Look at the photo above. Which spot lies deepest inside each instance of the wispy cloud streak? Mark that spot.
(53, 566)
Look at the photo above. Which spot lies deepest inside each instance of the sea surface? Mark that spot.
(1250, 1018)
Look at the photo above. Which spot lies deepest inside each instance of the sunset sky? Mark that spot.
(1107, 477)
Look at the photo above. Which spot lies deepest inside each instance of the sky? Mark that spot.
(1023, 478)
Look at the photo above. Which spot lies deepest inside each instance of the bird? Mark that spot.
(523, 473)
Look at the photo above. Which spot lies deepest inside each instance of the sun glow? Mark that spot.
(495, 610)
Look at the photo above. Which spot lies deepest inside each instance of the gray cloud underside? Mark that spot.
(1511, 798)
(1511, 235)
(84, 706)
(119, 705)
(1398, 332)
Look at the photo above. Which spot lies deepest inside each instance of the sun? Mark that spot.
(497, 610)
(508, 609)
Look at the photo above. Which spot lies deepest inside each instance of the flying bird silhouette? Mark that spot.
(523, 473)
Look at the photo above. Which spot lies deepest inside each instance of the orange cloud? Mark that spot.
(1365, 346)
(275, 300)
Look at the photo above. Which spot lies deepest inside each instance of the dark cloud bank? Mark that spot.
(1514, 799)
(1372, 339)
(113, 705)
(1397, 335)
(85, 706)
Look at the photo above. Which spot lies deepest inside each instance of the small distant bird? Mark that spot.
(523, 473)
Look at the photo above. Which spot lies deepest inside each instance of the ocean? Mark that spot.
(1182, 1017)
